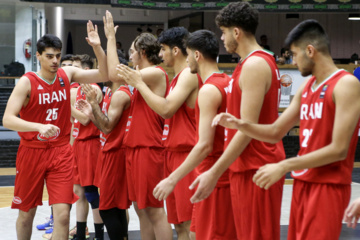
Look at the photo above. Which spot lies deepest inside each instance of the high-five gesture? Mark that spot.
(109, 28)
(92, 38)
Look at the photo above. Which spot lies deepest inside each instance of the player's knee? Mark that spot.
(92, 196)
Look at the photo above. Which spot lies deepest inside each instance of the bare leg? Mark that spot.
(82, 205)
(159, 222)
(183, 230)
(24, 224)
(192, 236)
(61, 221)
(146, 228)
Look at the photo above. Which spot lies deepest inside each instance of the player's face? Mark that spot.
(193, 65)
(227, 37)
(66, 63)
(166, 55)
(134, 55)
(49, 59)
(302, 61)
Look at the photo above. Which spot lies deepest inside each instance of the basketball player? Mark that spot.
(178, 108)
(254, 95)
(86, 147)
(111, 120)
(328, 107)
(42, 99)
(208, 222)
(144, 153)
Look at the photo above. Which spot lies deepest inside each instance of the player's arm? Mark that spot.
(346, 97)
(209, 102)
(165, 107)
(11, 119)
(93, 75)
(254, 82)
(112, 57)
(73, 92)
(81, 117)
(271, 133)
(119, 102)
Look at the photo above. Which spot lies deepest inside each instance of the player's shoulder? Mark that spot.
(347, 82)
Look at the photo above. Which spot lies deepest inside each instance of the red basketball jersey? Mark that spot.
(74, 85)
(257, 153)
(49, 104)
(317, 116)
(221, 81)
(144, 126)
(180, 130)
(114, 139)
(81, 132)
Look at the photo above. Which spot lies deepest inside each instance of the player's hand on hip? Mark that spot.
(352, 213)
(268, 174)
(48, 130)
(206, 183)
(92, 38)
(163, 189)
(226, 120)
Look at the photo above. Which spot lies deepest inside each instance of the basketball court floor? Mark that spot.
(8, 215)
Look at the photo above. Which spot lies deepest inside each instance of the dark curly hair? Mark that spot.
(238, 14)
(147, 43)
(205, 42)
(175, 37)
(48, 41)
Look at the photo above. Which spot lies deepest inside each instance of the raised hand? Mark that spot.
(92, 38)
(84, 107)
(109, 28)
(163, 189)
(130, 76)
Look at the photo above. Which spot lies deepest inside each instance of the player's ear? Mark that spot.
(310, 50)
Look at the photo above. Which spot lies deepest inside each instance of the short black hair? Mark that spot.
(147, 44)
(205, 42)
(86, 61)
(67, 57)
(238, 14)
(175, 37)
(48, 41)
(309, 32)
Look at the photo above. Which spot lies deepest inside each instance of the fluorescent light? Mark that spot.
(354, 16)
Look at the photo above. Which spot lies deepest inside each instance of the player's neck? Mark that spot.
(247, 46)
(323, 68)
(46, 75)
(206, 69)
(115, 86)
(179, 65)
(145, 63)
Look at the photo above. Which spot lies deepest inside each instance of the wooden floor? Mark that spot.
(7, 193)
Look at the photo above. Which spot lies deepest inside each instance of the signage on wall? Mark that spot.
(261, 5)
(290, 80)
